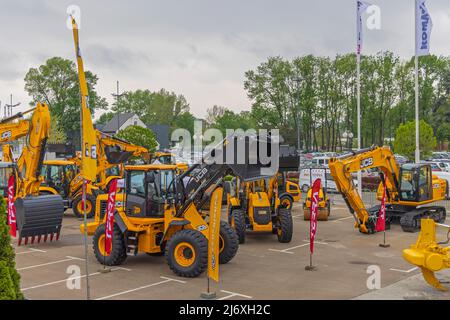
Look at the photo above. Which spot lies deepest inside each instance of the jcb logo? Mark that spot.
(6, 135)
(366, 162)
(200, 175)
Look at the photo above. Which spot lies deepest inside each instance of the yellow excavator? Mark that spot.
(428, 254)
(410, 189)
(63, 176)
(37, 215)
(166, 157)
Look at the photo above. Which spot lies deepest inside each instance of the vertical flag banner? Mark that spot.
(424, 24)
(12, 222)
(110, 216)
(314, 212)
(361, 6)
(89, 139)
(381, 221)
(214, 231)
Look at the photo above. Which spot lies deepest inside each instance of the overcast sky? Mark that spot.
(198, 48)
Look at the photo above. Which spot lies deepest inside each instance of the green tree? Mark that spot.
(160, 107)
(139, 136)
(9, 277)
(405, 139)
(57, 134)
(105, 117)
(56, 84)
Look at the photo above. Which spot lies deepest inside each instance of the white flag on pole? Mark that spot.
(361, 6)
(423, 29)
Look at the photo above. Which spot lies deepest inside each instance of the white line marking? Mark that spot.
(65, 280)
(31, 250)
(287, 250)
(75, 258)
(233, 294)
(342, 219)
(171, 279)
(404, 271)
(46, 264)
(140, 288)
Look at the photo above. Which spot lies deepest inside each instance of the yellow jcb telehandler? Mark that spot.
(160, 212)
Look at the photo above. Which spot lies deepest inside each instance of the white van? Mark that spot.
(321, 161)
(309, 175)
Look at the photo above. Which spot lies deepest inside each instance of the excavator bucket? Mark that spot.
(115, 155)
(39, 218)
(428, 255)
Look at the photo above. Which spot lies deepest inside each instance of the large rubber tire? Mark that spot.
(229, 243)
(118, 251)
(286, 201)
(77, 206)
(238, 224)
(285, 225)
(193, 247)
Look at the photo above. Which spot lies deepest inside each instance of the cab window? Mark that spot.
(137, 183)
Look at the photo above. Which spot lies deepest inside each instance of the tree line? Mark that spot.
(312, 96)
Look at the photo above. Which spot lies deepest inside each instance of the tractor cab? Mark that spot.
(148, 189)
(416, 183)
(58, 174)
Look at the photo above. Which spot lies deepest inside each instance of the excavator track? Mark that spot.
(410, 221)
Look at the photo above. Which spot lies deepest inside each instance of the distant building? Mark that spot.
(124, 120)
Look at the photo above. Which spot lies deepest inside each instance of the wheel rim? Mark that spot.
(101, 245)
(184, 254)
(286, 203)
(88, 207)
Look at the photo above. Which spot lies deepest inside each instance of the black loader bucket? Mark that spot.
(247, 163)
(39, 217)
(115, 155)
(289, 159)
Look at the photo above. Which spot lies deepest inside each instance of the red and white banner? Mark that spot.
(314, 212)
(110, 216)
(381, 221)
(11, 208)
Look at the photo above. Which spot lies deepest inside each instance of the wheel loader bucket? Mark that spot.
(247, 162)
(39, 217)
(115, 155)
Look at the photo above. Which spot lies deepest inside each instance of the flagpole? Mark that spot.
(358, 107)
(416, 80)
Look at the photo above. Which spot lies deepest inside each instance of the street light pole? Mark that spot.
(10, 106)
(117, 95)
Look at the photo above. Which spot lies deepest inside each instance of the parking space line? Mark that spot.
(48, 263)
(404, 271)
(233, 294)
(166, 280)
(68, 278)
(340, 219)
(287, 250)
(31, 250)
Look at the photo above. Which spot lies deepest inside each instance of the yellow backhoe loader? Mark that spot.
(161, 212)
(409, 189)
(37, 215)
(428, 254)
(63, 177)
(259, 205)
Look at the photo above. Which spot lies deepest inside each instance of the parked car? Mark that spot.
(401, 159)
(441, 165)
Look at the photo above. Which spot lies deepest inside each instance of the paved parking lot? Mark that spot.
(262, 269)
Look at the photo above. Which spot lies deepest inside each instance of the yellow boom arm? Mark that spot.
(341, 169)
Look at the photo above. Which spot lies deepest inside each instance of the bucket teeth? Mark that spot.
(431, 279)
(45, 237)
(19, 241)
(51, 236)
(26, 240)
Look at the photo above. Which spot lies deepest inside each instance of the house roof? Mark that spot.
(116, 122)
(161, 132)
